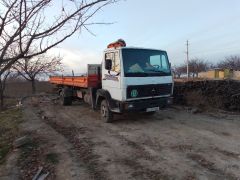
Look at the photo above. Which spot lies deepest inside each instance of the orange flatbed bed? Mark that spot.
(76, 81)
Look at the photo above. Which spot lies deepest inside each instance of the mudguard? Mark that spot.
(103, 94)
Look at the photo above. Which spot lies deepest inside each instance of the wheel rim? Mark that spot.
(104, 111)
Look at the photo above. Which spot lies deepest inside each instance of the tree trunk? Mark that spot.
(33, 86)
(1, 100)
(1, 96)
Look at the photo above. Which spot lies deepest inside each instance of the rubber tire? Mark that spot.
(65, 101)
(106, 114)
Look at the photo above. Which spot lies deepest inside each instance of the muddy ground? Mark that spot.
(172, 144)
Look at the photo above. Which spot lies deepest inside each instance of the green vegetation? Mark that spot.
(9, 122)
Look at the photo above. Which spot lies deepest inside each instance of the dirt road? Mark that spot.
(172, 144)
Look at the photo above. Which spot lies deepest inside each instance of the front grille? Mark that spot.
(150, 90)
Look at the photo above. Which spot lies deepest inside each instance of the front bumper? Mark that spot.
(142, 105)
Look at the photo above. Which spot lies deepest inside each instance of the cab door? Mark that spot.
(111, 77)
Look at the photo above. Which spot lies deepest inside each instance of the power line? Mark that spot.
(187, 52)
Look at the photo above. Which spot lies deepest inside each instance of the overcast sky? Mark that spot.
(211, 26)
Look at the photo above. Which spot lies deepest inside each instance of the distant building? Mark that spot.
(219, 73)
(236, 75)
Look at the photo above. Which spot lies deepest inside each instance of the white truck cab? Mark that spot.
(136, 79)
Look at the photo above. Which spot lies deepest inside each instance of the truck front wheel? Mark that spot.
(106, 114)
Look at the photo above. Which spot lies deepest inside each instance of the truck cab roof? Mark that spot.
(130, 47)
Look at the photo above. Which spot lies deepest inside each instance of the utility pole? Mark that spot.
(187, 58)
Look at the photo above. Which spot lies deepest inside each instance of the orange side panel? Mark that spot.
(84, 82)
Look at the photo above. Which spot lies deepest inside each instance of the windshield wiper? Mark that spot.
(155, 70)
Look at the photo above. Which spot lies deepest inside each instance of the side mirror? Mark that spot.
(108, 64)
(170, 64)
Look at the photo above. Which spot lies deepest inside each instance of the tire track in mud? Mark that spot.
(142, 172)
(137, 158)
(69, 167)
(83, 146)
(210, 166)
(138, 170)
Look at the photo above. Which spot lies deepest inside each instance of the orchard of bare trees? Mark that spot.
(31, 68)
(231, 62)
(195, 67)
(198, 65)
(25, 25)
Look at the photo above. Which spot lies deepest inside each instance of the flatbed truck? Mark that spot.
(129, 79)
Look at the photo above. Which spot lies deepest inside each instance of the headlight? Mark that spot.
(130, 106)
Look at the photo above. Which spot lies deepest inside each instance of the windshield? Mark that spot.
(143, 62)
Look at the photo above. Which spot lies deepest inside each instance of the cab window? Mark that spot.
(114, 56)
(159, 61)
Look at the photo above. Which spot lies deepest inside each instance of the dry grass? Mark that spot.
(9, 122)
(11, 118)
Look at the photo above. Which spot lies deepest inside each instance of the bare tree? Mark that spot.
(198, 65)
(3, 79)
(231, 62)
(32, 68)
(179, 70)
(24, 25)
(195, 66)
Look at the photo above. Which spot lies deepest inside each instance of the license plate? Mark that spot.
(152, 109)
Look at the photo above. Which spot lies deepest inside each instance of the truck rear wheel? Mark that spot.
(106, 114)
(65, 100)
